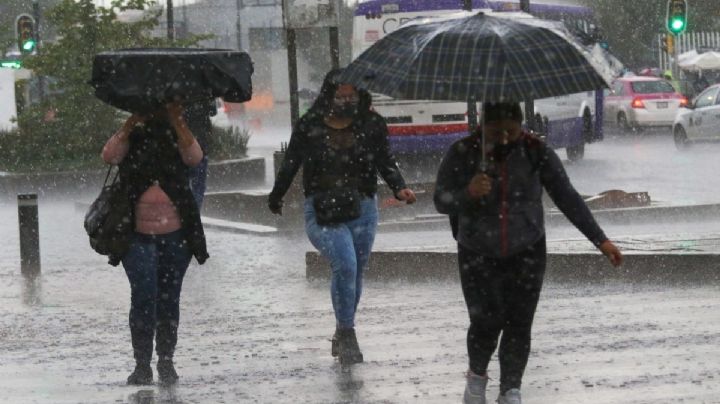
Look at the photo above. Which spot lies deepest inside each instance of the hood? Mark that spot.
(322, 103)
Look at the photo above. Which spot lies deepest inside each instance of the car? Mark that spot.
(639, 102)
(700, 120)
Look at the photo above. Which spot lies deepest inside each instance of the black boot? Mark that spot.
(166, 372)
(141, 376)
(346, 346)
(334, 345)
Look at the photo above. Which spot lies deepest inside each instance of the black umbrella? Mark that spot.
(479, 57)
(142, 80)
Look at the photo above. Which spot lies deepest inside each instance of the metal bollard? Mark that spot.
(29, 235)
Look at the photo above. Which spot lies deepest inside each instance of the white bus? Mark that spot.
(430, 127)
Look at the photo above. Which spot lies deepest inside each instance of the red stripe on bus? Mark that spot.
(416, 130)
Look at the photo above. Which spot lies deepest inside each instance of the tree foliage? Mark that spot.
(71, 124)
(631, 26)
(315, 44)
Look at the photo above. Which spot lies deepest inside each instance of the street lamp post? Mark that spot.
(170, 20)
(36, 16)
(238, 26)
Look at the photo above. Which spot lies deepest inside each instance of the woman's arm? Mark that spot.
(567, 199)
(288, 168)
(188, 146)
(384, 160)
(118, 145)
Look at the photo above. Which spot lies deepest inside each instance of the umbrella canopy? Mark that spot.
(699, 61)
(141, 80)
(479, 57)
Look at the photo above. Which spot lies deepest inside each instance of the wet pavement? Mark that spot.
(253, 329)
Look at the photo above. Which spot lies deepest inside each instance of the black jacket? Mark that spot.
(308, 149)
(511, 217)
(153, 156)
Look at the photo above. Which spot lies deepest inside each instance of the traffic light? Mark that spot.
(677, 16)
(25, 30)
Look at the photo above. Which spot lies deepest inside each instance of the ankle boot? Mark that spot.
(166, 371)
(347, 346)
(141, 376)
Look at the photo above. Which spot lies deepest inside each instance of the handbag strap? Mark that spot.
(105, 183)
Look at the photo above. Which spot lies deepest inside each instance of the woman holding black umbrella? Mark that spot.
(497, 217)
(341, 145)
(154, 152)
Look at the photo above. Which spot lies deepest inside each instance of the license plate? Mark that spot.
(662, 105)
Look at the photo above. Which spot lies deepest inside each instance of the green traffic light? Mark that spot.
(677, 24)
(29, 45)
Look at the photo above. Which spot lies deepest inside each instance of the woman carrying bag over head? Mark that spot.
(341, 144)
(155, 152)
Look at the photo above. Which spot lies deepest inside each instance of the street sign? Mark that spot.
(10, 64)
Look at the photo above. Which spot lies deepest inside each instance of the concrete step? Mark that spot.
(238, 227)
(584, 267)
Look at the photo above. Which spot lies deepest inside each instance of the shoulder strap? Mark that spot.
(107, 176)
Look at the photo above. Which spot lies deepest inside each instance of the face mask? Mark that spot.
(344, 110)
(503, 149)
(500, 150)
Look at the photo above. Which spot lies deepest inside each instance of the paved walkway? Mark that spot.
(254, 330)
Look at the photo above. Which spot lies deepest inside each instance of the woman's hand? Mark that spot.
(479, 186)
(136, 118)
(175, 115)
(406, 195)
(275, 207)
(185, 137)
(131, 122)
(612, 253)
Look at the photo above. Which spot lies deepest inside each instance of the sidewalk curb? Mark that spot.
(238, 227)
(415, 265)
(625, 216)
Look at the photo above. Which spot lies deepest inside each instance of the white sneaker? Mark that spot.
(475, 388)
(511, 396)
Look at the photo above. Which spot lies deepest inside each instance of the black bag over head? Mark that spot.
(145, 79)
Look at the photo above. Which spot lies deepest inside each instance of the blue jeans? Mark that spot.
(198, 181)
(155, 267)
(347, 246)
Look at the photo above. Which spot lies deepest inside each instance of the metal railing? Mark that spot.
(686, 42)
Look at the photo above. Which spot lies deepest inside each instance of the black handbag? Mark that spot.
(108, 222)
(337, 205)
